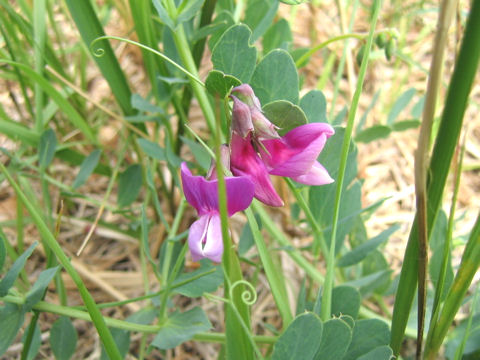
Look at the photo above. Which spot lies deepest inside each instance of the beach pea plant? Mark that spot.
(214, 209)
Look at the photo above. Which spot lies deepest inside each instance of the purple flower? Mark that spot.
(295, 154)
(205, 236)
(245, 161)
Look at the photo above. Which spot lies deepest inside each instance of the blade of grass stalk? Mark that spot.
(467, 270)
(461, 348)
(52, 243)
(439, 289)
(446, 140)
(90, 29)
(277, 285)
(72, 114)
(447, 10)
(16, 131)
(345, 55)
(13, 56)
(329, 277)
(39, 11)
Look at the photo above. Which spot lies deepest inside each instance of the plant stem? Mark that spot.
(328, 286)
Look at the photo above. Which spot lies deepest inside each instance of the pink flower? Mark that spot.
(293, 155)
(205, 236)
(245, 161)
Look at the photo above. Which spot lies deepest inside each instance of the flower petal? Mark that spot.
(205, 238)
(203, 194)
(213, 247)
(317, 175)
(240, 191)
(200, 193)
(245, 161)
(296, 152)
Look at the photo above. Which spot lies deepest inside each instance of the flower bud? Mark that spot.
(225, 159)
(241, 118)
(264, 129)
(245, 93)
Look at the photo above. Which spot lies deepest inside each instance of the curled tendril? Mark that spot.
(97, 51)
(249, 295)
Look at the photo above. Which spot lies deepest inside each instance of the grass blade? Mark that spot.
(90, 28)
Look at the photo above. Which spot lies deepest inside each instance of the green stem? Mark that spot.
(277, 285)
(319, 240)
(328, 286)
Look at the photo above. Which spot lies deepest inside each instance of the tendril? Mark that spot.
(248, 296)
(99, 52)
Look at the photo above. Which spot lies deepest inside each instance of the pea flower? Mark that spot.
(205, 236)
(245, 161)
(295, 154)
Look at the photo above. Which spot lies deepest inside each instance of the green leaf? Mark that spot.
(373, 265)
(11, 318)
(233, 54)
(144, 105)
(336, 337)
(86, 169)
(90, 28)
(314, 105)
(3, 252)
(379, 353)
(367, 335)
(278, 36)
(372, 133)
(259, 16)
(401, 103)
(197, 287)
(188, 9)
(217, 83)
(129, 184)
(360, 252)
(12, 274)
(406, 125)
(163, 14)
(46, 148)
(285, 115)
(345, 301)
(300, 340)
(152, 149)
(38, 289)
(224, 20)
(181, 327)
(276, 78)
(63, 338)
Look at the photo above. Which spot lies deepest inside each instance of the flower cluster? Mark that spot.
(256, 151)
